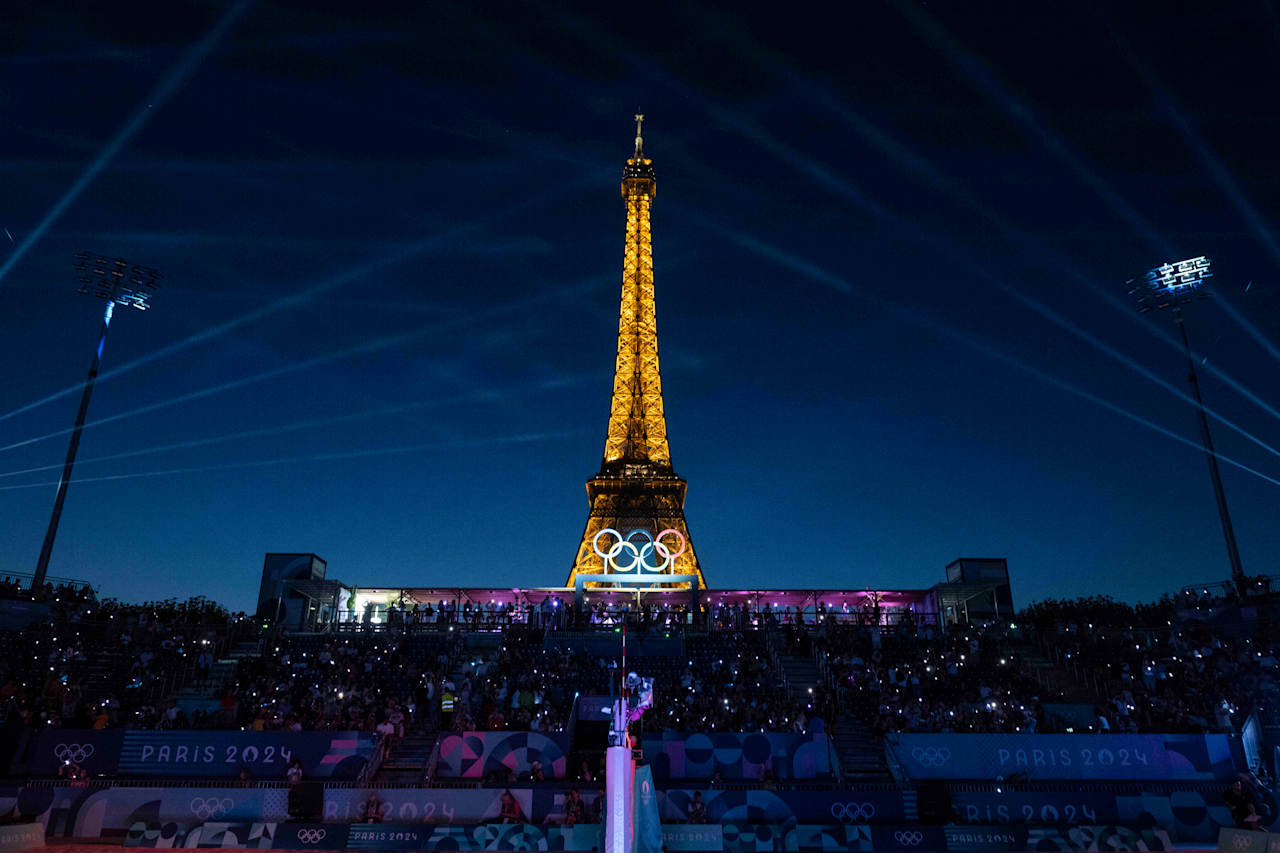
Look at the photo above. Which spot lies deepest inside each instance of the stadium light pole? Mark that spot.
(1172, 286)
(119, 283)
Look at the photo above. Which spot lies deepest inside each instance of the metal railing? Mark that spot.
(380, 750)
(955, 787)
(433, 761)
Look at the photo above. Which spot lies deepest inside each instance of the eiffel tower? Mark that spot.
(636, 522)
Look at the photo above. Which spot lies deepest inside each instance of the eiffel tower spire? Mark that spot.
(637, 495)
(637, 432)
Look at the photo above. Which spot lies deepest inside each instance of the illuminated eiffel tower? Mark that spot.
(636, 523)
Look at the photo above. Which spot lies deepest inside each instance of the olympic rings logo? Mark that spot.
(908, 838)
(1242, 842)
(311, 836)
(931, 756)
(651, 555)
(76, 752)
(212, 807)
(852, 812)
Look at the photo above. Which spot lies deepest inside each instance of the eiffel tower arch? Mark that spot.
(636, 519)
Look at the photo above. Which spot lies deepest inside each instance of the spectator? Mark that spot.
(1240, 801)
(509, 809)
(696, 810)
(370, 810)
(574, 808)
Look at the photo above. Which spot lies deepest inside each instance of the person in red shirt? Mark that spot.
(509, 811)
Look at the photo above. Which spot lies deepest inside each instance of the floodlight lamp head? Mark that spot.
(1172, 285)
(116, 280)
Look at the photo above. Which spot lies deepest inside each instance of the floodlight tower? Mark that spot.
(119, 283)
(1172, 286)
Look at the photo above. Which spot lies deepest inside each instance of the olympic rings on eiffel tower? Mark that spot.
(652, 555)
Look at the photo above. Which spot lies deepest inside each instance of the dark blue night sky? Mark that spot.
(891, 251)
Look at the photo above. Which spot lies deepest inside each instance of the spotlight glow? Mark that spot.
(1173, 284)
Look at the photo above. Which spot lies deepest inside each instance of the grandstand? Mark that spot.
(341, 716)
(1077, 722)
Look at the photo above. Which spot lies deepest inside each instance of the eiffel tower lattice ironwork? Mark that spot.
(636, 522)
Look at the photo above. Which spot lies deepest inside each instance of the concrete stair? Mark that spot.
(861, 758)
(407, 762)
(207, 696)
(802, 675)
(910, 805)
(1060, 685)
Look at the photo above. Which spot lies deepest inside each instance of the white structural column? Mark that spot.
(619, 779)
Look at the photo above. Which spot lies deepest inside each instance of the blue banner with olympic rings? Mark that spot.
(1081, 757)
(95, 751)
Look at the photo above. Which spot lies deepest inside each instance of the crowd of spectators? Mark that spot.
(1247, 589)
(549, 613)
(966, 680)
(723, 683)
(382, 683)
(491, 615)
(556, 614)
(98, 664)
(1156, 670)
(524, 687)
(1155, 667)
(730, 682)
(11, 589)
(1146, 668)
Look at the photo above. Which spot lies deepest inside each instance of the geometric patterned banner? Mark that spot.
(1188, 816)
(731, 838)
(538, 804)
(107, 814)
(756, 806)
(474, 755)
(679, 755)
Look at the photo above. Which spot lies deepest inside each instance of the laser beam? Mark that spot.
(936, 179)
(172, 81)
(1226, 181)
(1251, 330)
(332, 420)
(519, 438)
(375, 345)
(921, 318)
(1183, 123)
(378, 264)
(1021, 114)
(1095, 342)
